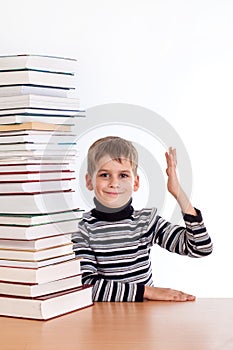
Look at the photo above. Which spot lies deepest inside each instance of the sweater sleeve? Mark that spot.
(103, 289)
(192, 240)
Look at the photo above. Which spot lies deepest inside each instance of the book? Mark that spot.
(44, 153)
(37, 136)
(39, 111)
(41, 161)
(36, 254)
(39, 219)
(34, 126)
(37, 78)
(40, 118)
(39, 62)
(27, 166)
(35, 290)
(37, 149)
(36, 264)
(47, 306)
(38, 231)
(14, 90)
(37, 203)
(32, 186)
(41, 274)
(38, 101)
(36, 176)
(35, 244)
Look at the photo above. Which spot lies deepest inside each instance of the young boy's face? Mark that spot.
(113, 182)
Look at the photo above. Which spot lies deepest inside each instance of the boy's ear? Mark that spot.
(136, 183)
(89, 184)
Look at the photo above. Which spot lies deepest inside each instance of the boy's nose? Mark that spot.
(114, 182)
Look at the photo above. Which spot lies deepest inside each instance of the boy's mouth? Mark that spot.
(113, 193)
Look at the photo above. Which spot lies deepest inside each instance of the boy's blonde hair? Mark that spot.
(115, 147)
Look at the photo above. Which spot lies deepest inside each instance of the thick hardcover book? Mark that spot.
(28, 220)
(35, 244)
(39, 62)
(37, 101)
(40, 118)
(37, 136)
(37, 203)
(27, 166)
(36, 264)
(36, 176)
(35, 254)
(41, 274)
(42, 154)
(48, 306)
(34, 126)
(14, 90)
(37, 78)
(35, 290)
(33, 186)
(40, 161)
(38, 231)
(39, 111)
(35, 147)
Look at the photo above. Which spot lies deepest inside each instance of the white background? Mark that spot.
(172, 57)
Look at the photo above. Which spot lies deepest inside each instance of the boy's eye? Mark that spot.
(104, 175)
(123, 175)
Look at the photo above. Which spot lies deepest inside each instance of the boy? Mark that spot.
(115, 240)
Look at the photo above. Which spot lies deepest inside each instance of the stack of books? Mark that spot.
(40, 277)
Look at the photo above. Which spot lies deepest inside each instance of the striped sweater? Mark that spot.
(115, 249)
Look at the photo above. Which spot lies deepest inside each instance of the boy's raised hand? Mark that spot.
(173, 185)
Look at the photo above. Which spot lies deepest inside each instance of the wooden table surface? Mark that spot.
(206, 324)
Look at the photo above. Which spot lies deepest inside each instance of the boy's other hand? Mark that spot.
(166, 294)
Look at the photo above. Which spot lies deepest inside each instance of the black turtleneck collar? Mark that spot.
(112, 214)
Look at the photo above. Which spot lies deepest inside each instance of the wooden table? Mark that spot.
(206, 324)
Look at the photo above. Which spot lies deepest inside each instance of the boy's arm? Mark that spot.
(103, 289)
(192, 240)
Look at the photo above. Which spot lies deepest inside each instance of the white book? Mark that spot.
(35, 290)
(35, 255)
(36, 264)
(37, 137)
(47, 306)
(41, 102)
(36, 186)
(41, 274)
(65, 147)
(51, 119)
(35, 167)
(36, 176)
(39, 111)
(39, 219)
(33, 125)
(14, 90)
(39, 162)
(39, 62)
(41, 159)
(42, 153)
(35, 244)
(38, 231)
(37, 203)
(38, 78)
